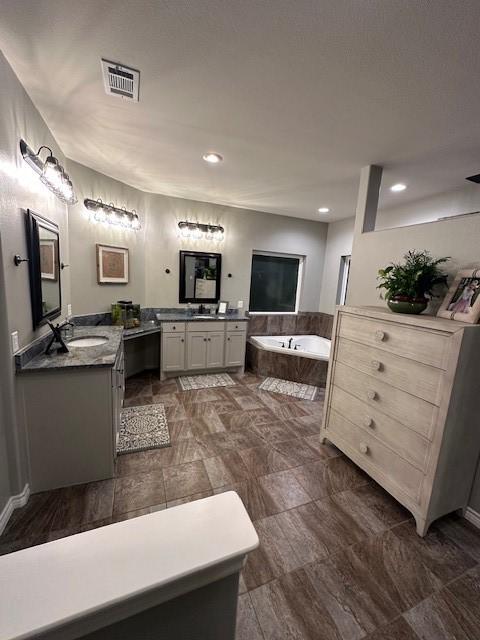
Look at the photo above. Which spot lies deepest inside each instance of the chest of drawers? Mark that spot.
(403, 402)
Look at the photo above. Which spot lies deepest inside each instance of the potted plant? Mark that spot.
(409, 285)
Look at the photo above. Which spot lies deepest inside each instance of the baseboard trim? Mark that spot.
(473, 516)
(14, 502)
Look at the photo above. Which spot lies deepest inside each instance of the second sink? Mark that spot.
(87, 341)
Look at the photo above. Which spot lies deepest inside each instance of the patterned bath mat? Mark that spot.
(206, 381)
(296, 389)
(143, 428)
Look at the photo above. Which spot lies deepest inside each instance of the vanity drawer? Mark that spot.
(417, 344)
(173, 327)
(369, 452)
(202, 325)
(411, 411)
(416, 378)
(241, 325)
(407, 443)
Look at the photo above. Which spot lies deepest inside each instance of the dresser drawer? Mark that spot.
(173, 327)
(241, 325)
(407, 443)
(407, 409)
(418, 344)
(367, 452)
(418, 379)
(205, 325)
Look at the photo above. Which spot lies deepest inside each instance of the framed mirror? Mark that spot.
(200, 276)
(43, 242)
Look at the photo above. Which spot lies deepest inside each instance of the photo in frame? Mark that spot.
(48, 259)
(112, 264)
(462, 301)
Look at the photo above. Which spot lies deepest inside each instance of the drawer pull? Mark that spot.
(376, 365)
(368, 422)
(182, 340)
(174, 327)
(363, 447)
(380, 336)
(372, 395)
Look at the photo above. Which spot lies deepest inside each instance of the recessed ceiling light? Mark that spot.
(212, 158)
(323, 210)
(398, 187)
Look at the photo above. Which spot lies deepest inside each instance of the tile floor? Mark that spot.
(339, 559)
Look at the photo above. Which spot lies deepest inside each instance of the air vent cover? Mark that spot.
(120, 81)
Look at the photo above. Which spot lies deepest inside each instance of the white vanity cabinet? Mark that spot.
(72, 417)
(235, 344)
(172, 357)
(203, 346)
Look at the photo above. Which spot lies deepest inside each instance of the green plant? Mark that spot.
(415, 279)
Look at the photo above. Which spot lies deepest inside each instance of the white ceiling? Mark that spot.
(297, 95)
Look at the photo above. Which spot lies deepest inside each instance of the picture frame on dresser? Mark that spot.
(462, 302)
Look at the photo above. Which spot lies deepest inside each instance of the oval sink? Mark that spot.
(87, 341)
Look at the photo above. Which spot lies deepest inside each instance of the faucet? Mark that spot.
(290, 343)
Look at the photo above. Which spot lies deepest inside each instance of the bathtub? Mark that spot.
(307, 363)
(303, 346)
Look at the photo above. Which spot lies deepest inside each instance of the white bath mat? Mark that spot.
(206, 381)
(143, 428)
(296, 389)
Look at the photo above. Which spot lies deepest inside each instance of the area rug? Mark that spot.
(206, 381)
(296, 389)
(143, 428)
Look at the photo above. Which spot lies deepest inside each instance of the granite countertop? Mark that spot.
(79, 357)
(147, 326)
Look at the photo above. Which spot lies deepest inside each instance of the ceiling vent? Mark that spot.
(120, 81)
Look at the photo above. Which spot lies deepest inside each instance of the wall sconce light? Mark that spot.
(110, 214)
(196, 230)
(51, 173)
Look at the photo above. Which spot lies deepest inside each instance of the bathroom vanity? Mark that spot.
(72, 405)
(202, 345)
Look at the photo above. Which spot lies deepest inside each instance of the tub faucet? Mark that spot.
(290, 343)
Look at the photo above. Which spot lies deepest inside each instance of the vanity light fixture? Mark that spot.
(212, 157)
(108, 213)
(396, 188)
(197, 231)
(50, 171)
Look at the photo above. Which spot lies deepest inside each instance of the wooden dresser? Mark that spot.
(403, 402)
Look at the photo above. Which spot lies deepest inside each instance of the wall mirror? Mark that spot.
(200, 276)
(43, 240)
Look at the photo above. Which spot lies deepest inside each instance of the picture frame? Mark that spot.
(462, 302)
(48, 259)
(112, 264)
(222, 307)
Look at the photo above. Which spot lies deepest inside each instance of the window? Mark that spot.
(275, 283)
(343, 279)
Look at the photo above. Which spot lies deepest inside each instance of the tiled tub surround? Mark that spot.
(291, 365)
(305, 322)
(339, 558)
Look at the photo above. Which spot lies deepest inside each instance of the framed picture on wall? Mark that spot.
(48, 259)
(112, 264)
(462, 301)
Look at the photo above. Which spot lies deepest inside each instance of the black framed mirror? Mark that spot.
(200, 276)
(43, 243)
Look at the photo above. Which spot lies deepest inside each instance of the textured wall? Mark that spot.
(20, 189)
